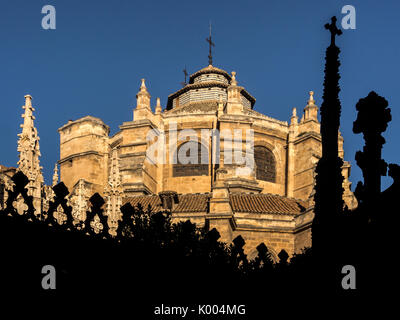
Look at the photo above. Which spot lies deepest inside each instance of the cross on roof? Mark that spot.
(211, 44)
(333, 30)
(186, 74)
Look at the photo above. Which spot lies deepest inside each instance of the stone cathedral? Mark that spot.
(271, 203)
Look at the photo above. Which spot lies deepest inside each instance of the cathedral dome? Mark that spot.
(207, 85)
(210, 73)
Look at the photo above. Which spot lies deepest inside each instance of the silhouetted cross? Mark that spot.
(333, 29)
(211, 45)
(186, 74)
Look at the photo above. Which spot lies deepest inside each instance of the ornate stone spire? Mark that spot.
(158, 106)
(29, 153)
(113, 192)
(311, 110)
(55, 175)
(294, 118)
(143, 86)
(143, 97)
(143, 109)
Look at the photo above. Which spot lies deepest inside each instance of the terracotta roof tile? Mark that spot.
(144, 201)
(197, 202)
(187, 202)
(241, 202)
(202, 106)
(266, 203)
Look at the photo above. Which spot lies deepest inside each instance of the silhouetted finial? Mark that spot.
(211, 44)
(333, 30)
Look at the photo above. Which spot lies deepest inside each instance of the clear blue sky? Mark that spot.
(93, 62)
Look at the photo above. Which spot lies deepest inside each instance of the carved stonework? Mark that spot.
(60, 216)
(6, 184)
(20, 205)
(113, 193)
(48, 195)
(29, 153)
(96, 224)
(79, 201)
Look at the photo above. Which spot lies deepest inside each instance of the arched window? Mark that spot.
(265, 164)
(192, 160)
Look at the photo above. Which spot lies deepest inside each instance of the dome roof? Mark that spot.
(209, 70)
(207, 84)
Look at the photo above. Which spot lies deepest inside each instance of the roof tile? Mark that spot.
(240, 202)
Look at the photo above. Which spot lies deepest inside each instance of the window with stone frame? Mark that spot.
(265, 164)
(195, 167)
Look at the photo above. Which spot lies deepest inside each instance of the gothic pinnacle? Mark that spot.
(294, 118)
(29, 153)
(55, 175)
(143, 85)
(158, 106)
(28, 100)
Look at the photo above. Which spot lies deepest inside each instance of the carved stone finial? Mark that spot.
(233, 81)
(55, 175)
(143, 85)
(311, 101)
(28, 100)
(158, 106)
(294, 118)
(311, 110)
(143, 97)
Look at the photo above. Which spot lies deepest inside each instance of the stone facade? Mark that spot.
(267, 197)
(119, 166)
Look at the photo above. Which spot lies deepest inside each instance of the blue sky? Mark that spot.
(93, 62)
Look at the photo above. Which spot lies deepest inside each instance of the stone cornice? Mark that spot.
(81, 154)
(138, 124)
(307, 135)
(85, 119)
